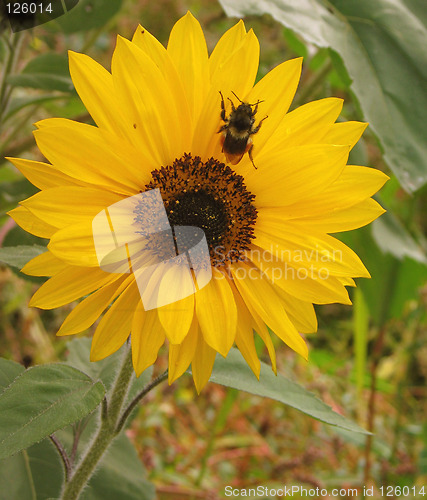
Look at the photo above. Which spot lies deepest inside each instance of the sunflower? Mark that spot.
(265, 220)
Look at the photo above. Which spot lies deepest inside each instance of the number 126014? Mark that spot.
(403, 491)
(28, 8)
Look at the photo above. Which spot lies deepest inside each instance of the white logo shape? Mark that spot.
(134, 236)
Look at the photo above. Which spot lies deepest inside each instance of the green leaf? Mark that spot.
(392, 237)
(121, 475)
(9, 370)
(46, 72)
(104, 370)
(78, 357)
(233, 371)
(35, 473)
(22, 102)
(382, 44)
(38, 472)
(8, 173)
(294, 42)
(42, 400)
(18, 256)
(393, 282)
(12, 193)
(88, 14)
(380, 447)
(17, 236)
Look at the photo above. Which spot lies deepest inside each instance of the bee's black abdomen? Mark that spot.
(234, 145)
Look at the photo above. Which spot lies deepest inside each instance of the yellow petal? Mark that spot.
(74, 245)
(32, 224)
(294, 174)
(245, 335)
(345, 133)
(358, 184)
(256, 289)
(227, 77)
(217, 313)
(347, 281)
(246, 345)
(88, 310)
(147, 100)
(261, 329)
(65, 205)
(344, 220)
(44, 264)
(43, 175)
(69, 285)
(309, 287)
(226, 45)
(176, 317)
(277, 90)
(181, 355)
(91, 155)
(202, 364)
(115, 326)
(315, 252)
(301, 313)
(237, 74)
(307, 124)
(94, 84)
(149, 44)
(188, 51)
(159, 55)
(147, 337)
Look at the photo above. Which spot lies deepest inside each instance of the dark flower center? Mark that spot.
(211, 196)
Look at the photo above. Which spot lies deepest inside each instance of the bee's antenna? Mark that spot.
(238, 98)
(256, 103)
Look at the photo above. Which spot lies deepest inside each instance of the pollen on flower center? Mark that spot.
(199, 208)
(211, 196)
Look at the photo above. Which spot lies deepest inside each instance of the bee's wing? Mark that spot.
(233, 158)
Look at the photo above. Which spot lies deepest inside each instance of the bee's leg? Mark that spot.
(256, 108)
(250, 155)
(256, 129)
(232, 105)
(223, 116)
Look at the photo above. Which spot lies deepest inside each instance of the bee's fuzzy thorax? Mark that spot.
(238, 134)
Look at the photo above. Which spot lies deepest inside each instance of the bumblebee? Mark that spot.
(237, 130)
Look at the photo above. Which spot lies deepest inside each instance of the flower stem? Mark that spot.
(108, 430)
(14, 45)
(63, 454)
(138, 397)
